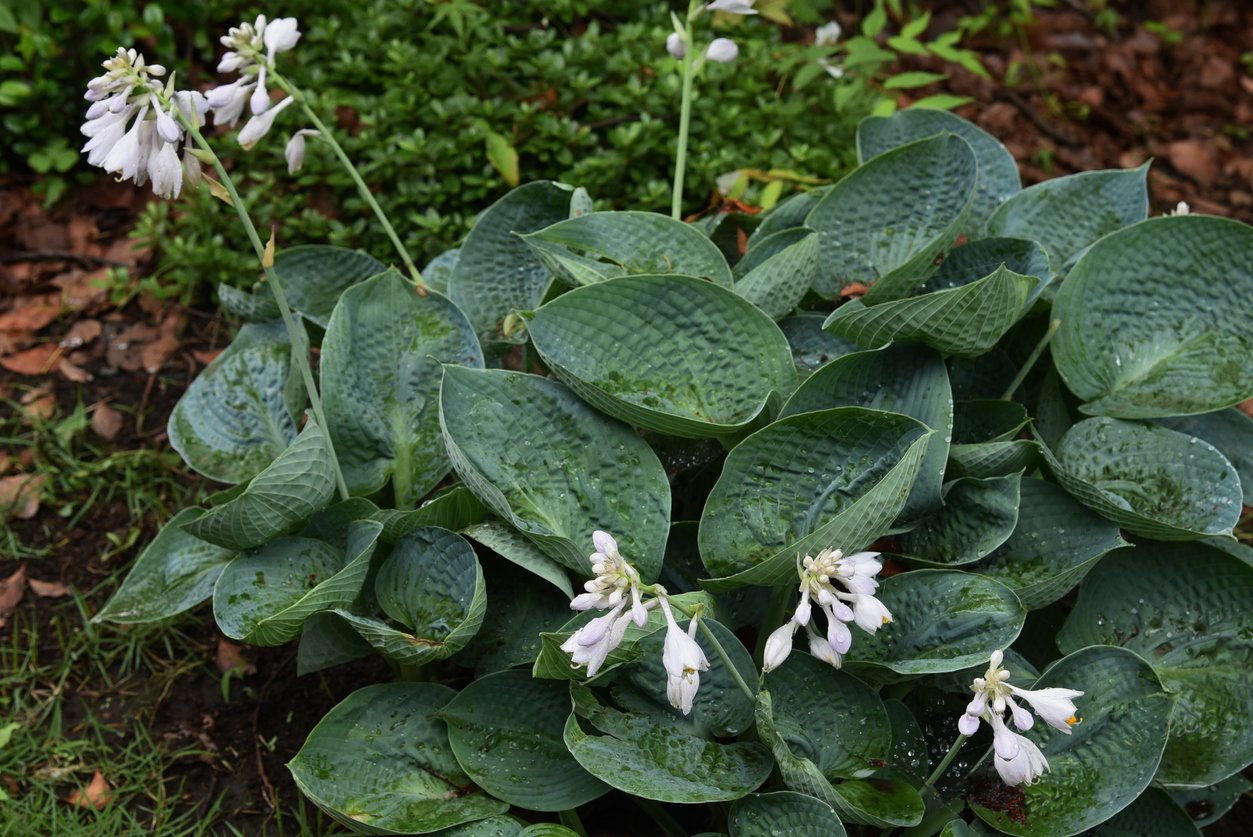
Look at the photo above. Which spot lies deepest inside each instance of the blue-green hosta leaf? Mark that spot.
(776, 274)
(509, 544)
(1153, 814)
(439, 270)
(523, 608)
(885, 803)
(909, 758)
(278, 501)
(888, 221)
(326, 640)
(787, 215)
(992, 459)
(1231, 432)
(174, 573)
(332, 524)
(554, 468)
(1054, 545)
(1208, 805)
(238, 414)
(1107, 760)
(601, 245)
(971, 262)
(998, 173)
(669, 353)
(1150, 480)
(432, 584)
(380, 372)
(649, 758)
(1066, 214)
(313, 277)
(1157, 319)
(942, 620)
(1184, 608)
(497, 273)
(380, 762)
(506, 732)
(965, 321)
(906, 378)
(811, 346)
(264, 596)
(845, 733)
(984, 420)
(453, 508)
(794, 814)
(978, 516)
(828, 479)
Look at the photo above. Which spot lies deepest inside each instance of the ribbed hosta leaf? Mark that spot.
(1231, 432)
(888, 221)
(278, 501)
(907, 379)
(978, 516)
(523, 608)
(1066, 214)
(380, 371)
(794, 814)
(942, 620)
(992, 459)
(554, 468)
(832, 478)
(777, 272)
(965, 321)
(236, 417)
(1150, 480)
(506, 732)
(380, 762)
(972, 262)
(313, 277)
(811, 346)
(998, 173)
(602, 245)
(497, 273)
(1103, 765)
(174, 573)
(669, 353)
(1157, 319)
(1153, 814)
(1055, 543)
(510, 544)
(787, 215)
(452, 508)
(1184, 608)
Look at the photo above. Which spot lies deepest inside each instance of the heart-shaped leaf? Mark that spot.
(174, 573)
(833, 478)
(798, 815)
(237, 416)
(601, 245)
(998, 173)
(1209, 804)
(649, 758)
(1150, 480)
(669, 353)
(942, 620)
(1103, 765)
(1066, 214)
(380, 762)
(277, 501)
(978, 516)
(380, 372)
(776, 273)
(1157, 319)
(885, 224)
(1184, 608)
(497, 273)
(506, 731)
(566, 472)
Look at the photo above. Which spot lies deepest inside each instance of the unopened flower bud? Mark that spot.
(722, 50)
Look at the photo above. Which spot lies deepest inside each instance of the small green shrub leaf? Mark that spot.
(380, 762)
(669, 353)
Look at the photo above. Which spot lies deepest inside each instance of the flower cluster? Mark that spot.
(132, 128)
(722, 50)
(251, 49)
(617, 588)
(829, 35)
(856, 575)
(1018, 760)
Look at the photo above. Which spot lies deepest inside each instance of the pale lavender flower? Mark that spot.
(295, 150)
(258, 126)
(722, 50)
(675, 45)
(733, 7)
(683, 659)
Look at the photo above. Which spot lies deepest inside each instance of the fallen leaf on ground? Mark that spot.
(81, 333)
(31, 313)
(35, 361)
(5, 459)
(96, 795)
(11, 590)
(231, 657)
(106, 421)
(20, 495)
(73, 374)
(47, 589)
(39, 403)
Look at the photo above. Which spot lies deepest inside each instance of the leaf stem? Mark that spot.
(364, 190)
(929, 785)
(276, 287)
(1031, 359)
(685, 122)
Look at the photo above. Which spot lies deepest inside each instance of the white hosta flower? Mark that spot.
(591, 644)
(733, 7)
(722, 50)
(295, 150)
(251, 48)
(615, 580)
(166, 171)
(1018, 760)
(855, 575)
(259, 101)
(675, 45)
(828, 33)
(258, 126)
(227, 101)
(1181, 208)
(684, 661)
(281, 34)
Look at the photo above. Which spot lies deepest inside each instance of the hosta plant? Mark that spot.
(587, 482)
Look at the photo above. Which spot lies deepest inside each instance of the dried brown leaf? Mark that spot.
(96, 795)
(231, 657)
(47, 589)
(72, 373)
(11, 591)
(20, 495)
(34, 361)
(106, 421)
